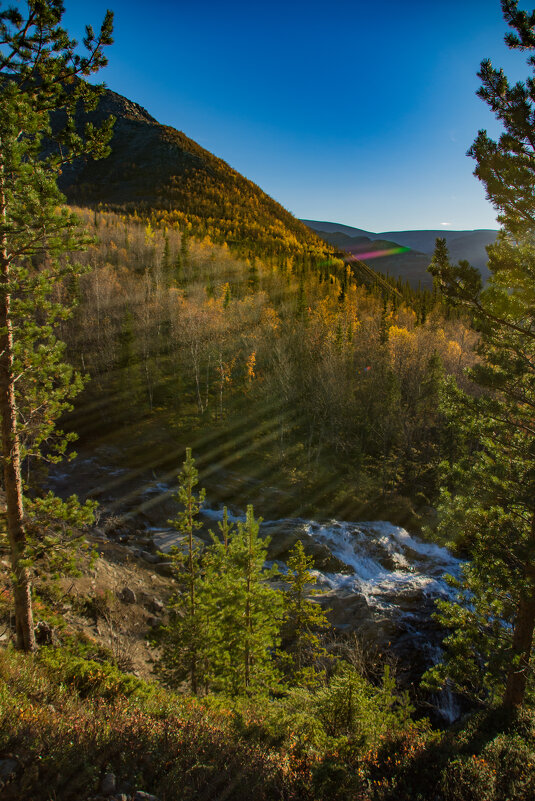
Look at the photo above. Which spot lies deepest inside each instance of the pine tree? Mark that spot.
(490, 496)
(304, 620)
(40, 72)
(184, 639)
(253, 280)
(243, 609)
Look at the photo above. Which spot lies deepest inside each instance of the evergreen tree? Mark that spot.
(303, 621)
(253, 280)
(40, 72)
(490, 498)
(184, 651)
(243, 609)
(301, 303)
(166, 262)
(177, 269)
(184, 252)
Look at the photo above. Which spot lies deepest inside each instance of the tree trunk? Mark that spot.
(517, 677)
(11, 449)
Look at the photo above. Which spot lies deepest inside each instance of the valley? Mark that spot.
(268, 522)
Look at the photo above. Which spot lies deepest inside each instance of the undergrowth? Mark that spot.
(67, 721)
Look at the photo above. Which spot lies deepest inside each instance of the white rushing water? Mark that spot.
(389, 564)
(383, 562)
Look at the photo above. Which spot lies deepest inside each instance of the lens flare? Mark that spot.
(376, 254)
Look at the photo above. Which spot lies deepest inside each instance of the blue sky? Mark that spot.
(352, 112)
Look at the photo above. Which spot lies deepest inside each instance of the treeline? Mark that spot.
(298, 366)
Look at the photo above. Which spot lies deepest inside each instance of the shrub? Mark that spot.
(90, 678)
(469, 779)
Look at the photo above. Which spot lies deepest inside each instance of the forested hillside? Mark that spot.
(155, 167)
(295, 375)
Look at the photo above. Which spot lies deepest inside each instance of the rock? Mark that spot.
(283, 536)
(323, 558)
(127, 595)
(155, 605)
(164, 541)
(347, 611)
(150, 557)
(140, 795)
(8, 768)
(108, 784)
(45, 634)
(165, 569)
(153, 621)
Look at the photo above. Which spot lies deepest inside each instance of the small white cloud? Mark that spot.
(445, 223)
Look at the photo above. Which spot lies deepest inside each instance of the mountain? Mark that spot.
(412, 264)
(157, 169)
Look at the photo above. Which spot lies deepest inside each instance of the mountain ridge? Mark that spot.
(412, 266)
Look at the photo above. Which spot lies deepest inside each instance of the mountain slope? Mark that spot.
(155, 167)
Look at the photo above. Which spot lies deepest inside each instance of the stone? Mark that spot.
(155, 605)
(153, 558)
(127, 595)
(141, 795)
(324, 560)
(8, 768)
(108, 784)
(165, 569)
(45, 634)
(283, 536)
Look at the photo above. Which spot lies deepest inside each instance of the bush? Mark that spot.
(469, 779)
(90, 678)
(513, 760)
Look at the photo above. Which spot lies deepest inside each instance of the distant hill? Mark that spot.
(410, 265)
(155, 167)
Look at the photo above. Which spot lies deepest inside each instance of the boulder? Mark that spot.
(8, 768)
(155, 605)
(153, 558)
(108, 784)
(127, 595)
(324, 559)
(45, 634)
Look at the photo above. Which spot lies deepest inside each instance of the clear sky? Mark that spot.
(349, 111)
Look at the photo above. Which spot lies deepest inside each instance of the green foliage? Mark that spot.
(153, 741)
(243, 610)
(40, 72)
(225, 617)
(489, 498)
(184, 638)
(302, 655)
(347, 715)
(75, 722)
(89, 678)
